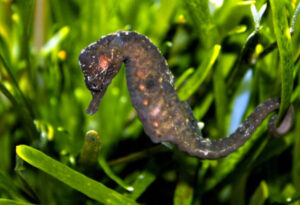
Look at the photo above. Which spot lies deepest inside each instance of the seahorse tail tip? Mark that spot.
(284, 126)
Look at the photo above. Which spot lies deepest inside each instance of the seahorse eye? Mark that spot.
(95, 85)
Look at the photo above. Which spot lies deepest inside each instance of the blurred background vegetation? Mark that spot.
(227, 57)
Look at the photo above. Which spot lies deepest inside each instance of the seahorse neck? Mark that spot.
(138, 49)
(143, 61)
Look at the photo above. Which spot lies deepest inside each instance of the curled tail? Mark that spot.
(214, 149)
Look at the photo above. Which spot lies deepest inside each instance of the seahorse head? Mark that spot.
(99, 62)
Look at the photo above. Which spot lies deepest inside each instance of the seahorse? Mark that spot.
(151, 85)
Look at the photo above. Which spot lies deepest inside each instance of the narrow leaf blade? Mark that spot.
(74, 179)
(284, 43)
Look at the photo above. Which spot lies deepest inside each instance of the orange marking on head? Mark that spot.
(155, 124)
(104, 62)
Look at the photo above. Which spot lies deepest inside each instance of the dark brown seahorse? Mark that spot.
(150, 82)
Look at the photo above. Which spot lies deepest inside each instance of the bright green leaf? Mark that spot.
(12, 202)
(183, 77)
(74, 179)
(183, 194)
(201, 73)
(55, 40)
(142, 182)
(284, 44)
(260, 194)
(112, 175)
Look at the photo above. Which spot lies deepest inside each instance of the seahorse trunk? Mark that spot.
(164, 116)
(150, 83)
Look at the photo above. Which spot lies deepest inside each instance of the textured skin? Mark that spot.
(150, 82)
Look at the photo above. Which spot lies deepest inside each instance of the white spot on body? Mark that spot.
(81, 65)
(205, 152)
(156, 111)
(207, 141)
(223, 150)
(112, 54)
(200, 125)
(103, 71)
